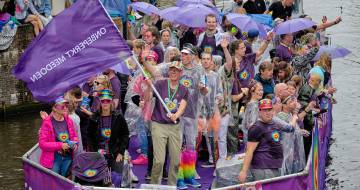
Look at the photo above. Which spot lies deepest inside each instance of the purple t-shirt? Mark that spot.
(209, 44)
(236, 88)
(61, 130)
(105, 132)
(269, 153)
(159, 114)
(283, 53)
(247, 70)
(159, 50)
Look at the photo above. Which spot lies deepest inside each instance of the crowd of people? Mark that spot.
(210, 82)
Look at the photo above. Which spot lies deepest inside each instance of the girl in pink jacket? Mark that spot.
(57, 139)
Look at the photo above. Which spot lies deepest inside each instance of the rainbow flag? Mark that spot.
(315, 157)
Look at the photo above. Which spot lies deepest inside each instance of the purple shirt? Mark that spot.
(236, 88)
(105, 132)
(247, 69)
(61, 130)
(269, 153)
(209, 44)
(159, 114)
(283, 53)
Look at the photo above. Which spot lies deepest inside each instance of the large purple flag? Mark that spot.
(77, 44)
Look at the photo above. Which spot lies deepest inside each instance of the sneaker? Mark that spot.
(197, 175)
(148, 176)
(134, 178)
(208, 165)
(193, 183)
(180, 184)
(165, 175)
(140, 160)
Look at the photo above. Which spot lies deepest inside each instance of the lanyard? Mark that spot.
(169, 91)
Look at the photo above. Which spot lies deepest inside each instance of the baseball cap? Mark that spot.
(154, 55)
(252, 33)
(176, 64)
(265, 104)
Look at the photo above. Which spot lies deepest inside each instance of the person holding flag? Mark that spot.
(165, 128)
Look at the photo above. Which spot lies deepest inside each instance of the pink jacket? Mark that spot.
(47, 142)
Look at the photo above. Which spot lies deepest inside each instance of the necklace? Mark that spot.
(169, 91)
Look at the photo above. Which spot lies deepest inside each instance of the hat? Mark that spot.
(253, 33)
(106, 94)
(60, 100)
(176, 64)
(152, 54)
(265, 104)
(288, 98)
(189, 49)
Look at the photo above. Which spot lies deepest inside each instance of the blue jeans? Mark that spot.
(142, 131)
(61, 164)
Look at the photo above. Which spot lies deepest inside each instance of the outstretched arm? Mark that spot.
(228, 60)
(263, 46)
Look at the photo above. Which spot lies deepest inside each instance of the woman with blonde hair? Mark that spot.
(170, 53)
(323, 68)
(108, 132)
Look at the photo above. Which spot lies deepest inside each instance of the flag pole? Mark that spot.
(152, 86)
(138, 64)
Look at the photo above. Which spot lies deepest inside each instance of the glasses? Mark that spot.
(62, 106)
(97, 83)
(105, 101)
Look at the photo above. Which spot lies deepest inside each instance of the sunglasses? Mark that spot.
(62, 106)
(105, 101)
(97, 83)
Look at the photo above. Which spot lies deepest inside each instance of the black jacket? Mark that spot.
(119, 138)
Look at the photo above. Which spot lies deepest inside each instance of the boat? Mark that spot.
(313, 176)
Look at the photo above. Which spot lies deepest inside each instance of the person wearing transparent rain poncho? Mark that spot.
(292, 143)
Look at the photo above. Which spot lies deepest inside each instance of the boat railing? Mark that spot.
(305, 172)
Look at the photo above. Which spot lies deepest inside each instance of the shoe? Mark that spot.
(180, 184)
(148, 176)
(208, 165)
(134, 178)
(197, 177)
(140, 160)
(165, 175)
(193, 183)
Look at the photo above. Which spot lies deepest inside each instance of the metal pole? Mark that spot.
(153, 87)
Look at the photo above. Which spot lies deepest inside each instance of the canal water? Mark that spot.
(19, 134)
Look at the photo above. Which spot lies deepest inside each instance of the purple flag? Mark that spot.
(77, 44)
